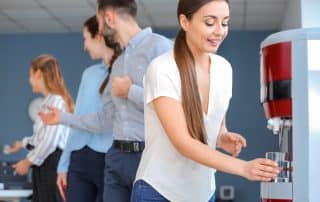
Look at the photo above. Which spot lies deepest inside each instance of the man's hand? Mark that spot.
(52, 117)
(121, 86)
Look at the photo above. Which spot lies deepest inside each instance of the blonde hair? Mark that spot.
(53, 79)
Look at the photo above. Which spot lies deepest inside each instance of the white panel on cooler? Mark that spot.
(314, 118)
(270, 190)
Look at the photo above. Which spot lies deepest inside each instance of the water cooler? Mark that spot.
(290, 96)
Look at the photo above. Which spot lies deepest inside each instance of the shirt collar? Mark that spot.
(134, 41)
(103, 65)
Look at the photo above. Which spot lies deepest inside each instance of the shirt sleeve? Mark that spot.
(161, 79)
(97, 122)
(136, 95)
(81, 89)
(64, 160)
(159, 46)
(29, 139)
(49, 137)
(25, 141)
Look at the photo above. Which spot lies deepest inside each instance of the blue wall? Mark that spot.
(17, 52)
(245, 115)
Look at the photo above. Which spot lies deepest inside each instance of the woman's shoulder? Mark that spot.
(220, 60)
(221, 64)
(94, 69)
(166, 60)
(164, 63)
(54, 98)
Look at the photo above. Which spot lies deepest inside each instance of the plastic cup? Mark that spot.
(283, 164)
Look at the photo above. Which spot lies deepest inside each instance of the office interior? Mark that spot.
(32, 27)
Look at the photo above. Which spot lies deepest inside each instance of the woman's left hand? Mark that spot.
(231, 143)
(22, 167)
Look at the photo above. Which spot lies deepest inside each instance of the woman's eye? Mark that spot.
(209, 24)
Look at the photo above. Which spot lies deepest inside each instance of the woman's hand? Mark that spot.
(260, 170)
(231, 143)
(14, 148)
(52, 117)
(62, 184)
(22, 167)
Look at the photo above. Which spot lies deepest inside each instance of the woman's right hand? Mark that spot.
(14, 148)
(62, 185)
(52, 117)
(260, 170)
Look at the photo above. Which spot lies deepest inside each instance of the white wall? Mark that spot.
(310, 13)
(292, 17)
(301, 14)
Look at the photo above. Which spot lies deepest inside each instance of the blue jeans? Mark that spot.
(143, 192)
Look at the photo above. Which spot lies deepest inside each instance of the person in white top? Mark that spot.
(47, 142)
(187, 94)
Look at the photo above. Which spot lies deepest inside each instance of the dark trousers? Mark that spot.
(120, 172)
(85, 176)
(44, 179)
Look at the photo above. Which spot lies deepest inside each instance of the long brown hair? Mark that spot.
(191, 101)
(92, 26)
(53, 79)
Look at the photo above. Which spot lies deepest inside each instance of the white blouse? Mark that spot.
(47, 138)
(174, 176)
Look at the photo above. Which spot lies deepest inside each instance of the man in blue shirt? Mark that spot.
(81, 166)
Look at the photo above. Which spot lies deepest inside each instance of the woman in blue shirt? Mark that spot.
(81, 166)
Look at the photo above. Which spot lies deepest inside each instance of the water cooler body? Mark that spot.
(290, 84)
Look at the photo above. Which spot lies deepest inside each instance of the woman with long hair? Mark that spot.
(187, 94)
(78, 182)
(47, 142)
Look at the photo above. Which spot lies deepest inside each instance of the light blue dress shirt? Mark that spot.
(88, 101)
(126, 114)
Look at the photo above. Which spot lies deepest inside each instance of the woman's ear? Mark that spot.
(37, 74)
(184, 22)
(100, 38)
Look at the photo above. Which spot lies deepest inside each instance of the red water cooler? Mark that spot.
(290, 75)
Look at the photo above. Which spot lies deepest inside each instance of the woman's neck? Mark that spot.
(201, 58)
(45, 93)
(106, 57)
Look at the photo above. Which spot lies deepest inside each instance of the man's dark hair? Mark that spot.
(122, 6)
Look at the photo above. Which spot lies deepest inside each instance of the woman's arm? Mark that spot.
(229, 141)
(175, 126)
